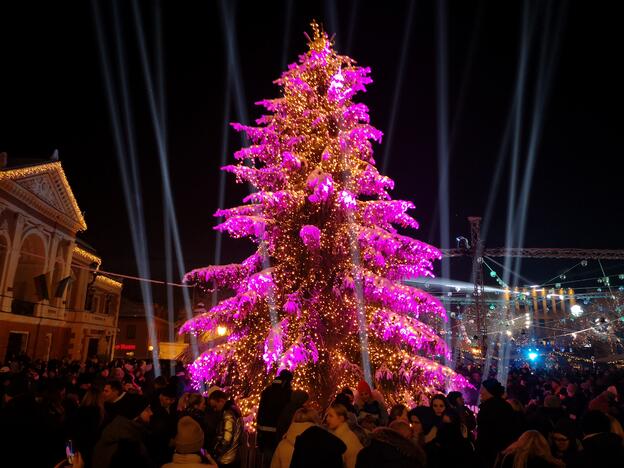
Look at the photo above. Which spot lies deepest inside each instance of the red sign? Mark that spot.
(125, 347)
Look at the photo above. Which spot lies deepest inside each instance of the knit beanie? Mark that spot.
(494, 387)
(363, 387)
(190, 437)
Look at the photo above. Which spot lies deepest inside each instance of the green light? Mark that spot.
(493, 274)
(492, 307)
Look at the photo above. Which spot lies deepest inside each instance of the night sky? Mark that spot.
(52, 97)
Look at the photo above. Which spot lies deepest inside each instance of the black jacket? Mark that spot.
(494, 429)
(604, 450)
(317, 447)
(273, 400)
(390, 449)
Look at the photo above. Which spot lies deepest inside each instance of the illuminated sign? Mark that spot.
(125, 347)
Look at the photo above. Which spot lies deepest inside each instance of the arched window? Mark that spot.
(29, 287)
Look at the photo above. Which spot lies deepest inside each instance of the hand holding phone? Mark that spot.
(69, 452)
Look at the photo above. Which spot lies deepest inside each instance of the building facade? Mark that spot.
(54, 303)
(133, 336)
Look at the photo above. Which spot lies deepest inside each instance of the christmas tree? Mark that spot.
(322, 294)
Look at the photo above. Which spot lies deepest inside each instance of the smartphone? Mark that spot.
(69, 452)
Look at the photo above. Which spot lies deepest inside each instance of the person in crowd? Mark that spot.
(398, 412)
(229, 430)
(317, 447)
(336, 420)
(439, 405)
(451, 446)
(422, 420)
(346, 399)
(456, 402)
(563, 443)
(391, 447)
(123, 441)
(22, 421)
(112, 394)
(543, 418)
(189, 441)
(303, 419)
(211, 421)
(297, 399)
(601, 447)
(273, 400)
(86, 426)
(529, 451)
(366, 404)
(519, 423)
(163, 425)
(494, 432)
(193, 405)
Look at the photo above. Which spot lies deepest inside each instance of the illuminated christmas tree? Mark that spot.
(322, 295)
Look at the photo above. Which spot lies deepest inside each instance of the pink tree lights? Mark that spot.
(319, 199)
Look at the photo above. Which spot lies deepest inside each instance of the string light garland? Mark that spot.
(319, 199)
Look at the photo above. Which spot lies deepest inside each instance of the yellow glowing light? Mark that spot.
(87, 255)
(108, 281)
(221, 330)
(150, 348)
(20, 173)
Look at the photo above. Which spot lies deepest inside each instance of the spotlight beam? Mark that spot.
(547, 65)
(134, 214)
(158, 120)
(443, 143)
(407, 28)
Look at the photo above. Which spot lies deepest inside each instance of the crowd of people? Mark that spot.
(120, 414)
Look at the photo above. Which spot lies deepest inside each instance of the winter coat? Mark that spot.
(284, 451)
(316, 447)
(273, 400)
(494, 432)
(297, 399)
(163, 426)
(604, 450)
(375, 408)
(188, 460)
(121, 441)
(389, 449)
(351, 441)
(450, 449)
(229, 435)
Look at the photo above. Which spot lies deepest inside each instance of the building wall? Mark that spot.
(32, 243)
(139, 344)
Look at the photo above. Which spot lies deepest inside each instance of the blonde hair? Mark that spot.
(530, 444)
(340, 410)
(306, 415)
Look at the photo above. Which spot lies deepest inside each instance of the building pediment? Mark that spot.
(45, 188)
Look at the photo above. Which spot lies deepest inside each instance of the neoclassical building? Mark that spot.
(54, 302)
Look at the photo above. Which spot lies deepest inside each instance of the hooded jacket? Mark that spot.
(390, 449)
(604, 449)
(284, 451)
(316, 447)
(121, 433)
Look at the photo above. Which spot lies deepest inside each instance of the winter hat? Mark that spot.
(132, 405)
(611, 389)
(494, 387)
(363, 387)
(190, 437)
(600, 403)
